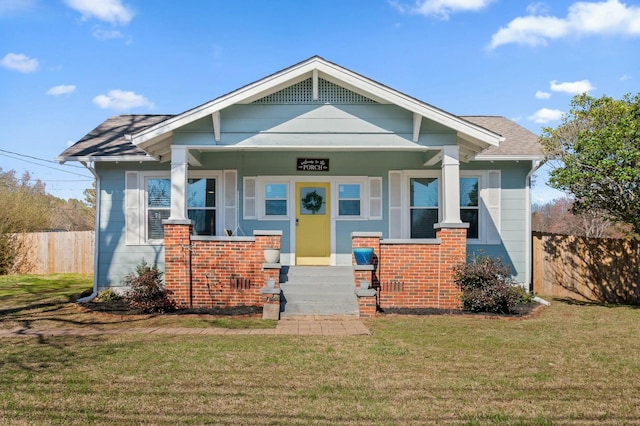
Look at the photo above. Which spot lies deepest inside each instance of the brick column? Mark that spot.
(177, 256)
(268, 239)
(453, 250)
(367, 239)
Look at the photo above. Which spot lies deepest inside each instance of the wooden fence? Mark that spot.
(586, 269)
(59, 252)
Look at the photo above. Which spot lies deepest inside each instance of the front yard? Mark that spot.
(570, 364)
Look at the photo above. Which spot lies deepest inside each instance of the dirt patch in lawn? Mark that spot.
(121, 307)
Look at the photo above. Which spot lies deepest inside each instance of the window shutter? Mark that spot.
(492, 204)
(249, 200)
(395, 204)
(375, 198)
(230, 203)
(132, 196)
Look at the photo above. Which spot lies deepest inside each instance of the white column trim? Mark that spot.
(179, 170)
(450, 185)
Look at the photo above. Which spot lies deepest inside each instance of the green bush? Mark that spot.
(147, 291)
(108, 295)
(487, 286)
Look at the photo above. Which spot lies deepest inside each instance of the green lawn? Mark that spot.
(570, 365)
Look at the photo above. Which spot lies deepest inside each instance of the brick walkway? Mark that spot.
(284, 327)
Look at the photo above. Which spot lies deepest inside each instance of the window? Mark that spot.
(349, 196)
(275, 199)
(469, 205)
(158, 206)
(423, 207)
(201, 205)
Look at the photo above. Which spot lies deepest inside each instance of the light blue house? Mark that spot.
(317, 152)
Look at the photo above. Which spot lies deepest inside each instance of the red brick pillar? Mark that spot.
(177, 259)
(366, 239)
(268, 239)
(453, 250)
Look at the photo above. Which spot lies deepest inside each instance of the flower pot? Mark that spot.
(363, 255)
(271, 255)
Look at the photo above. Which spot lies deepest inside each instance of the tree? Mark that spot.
(598, 143)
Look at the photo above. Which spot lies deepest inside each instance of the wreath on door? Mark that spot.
(312, 202)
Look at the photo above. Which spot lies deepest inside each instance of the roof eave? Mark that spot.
(105, 158)
(523, 157)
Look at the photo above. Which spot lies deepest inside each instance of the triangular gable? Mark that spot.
(317, 69)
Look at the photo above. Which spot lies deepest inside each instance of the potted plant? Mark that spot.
(363, 255)
(271, 255)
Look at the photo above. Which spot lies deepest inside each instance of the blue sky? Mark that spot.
(67, 65)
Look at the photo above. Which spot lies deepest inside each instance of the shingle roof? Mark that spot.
(108, 139)
(518, 140)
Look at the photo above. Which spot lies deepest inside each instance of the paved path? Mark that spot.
(284, 327)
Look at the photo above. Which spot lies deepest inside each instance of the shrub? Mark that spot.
(487, 286)
(108, 295)
(147, 292)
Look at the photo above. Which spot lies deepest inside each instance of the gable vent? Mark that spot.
(303, 93)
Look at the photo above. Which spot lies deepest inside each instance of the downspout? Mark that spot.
(96, 239)
(535, 165)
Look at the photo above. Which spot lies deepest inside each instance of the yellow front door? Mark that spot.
(313, 224)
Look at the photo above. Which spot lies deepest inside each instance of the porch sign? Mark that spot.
(313, 164)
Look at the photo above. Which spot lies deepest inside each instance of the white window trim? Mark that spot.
(261, 183)
(481, 175)
(219, 209)
(144, 200)
(406, 196)
(144, 203)
(364, 195)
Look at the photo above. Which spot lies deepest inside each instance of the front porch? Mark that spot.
(225, 272)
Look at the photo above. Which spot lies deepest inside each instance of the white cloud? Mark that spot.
(545, 115)
(62, 89)
(102, 34)
(121, 100)
(608, 17)
(112, 11)
(19, 62)
(572, 87)
(542, 95)
(441, 8)
(625, 77)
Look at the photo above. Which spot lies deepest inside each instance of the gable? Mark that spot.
(319, 72)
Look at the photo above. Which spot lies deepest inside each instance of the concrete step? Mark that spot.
(322, 291)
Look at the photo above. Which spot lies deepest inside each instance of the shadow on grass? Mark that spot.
(578, 302)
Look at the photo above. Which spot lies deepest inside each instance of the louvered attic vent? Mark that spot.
(303, 93)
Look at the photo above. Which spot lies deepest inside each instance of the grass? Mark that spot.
(570, 365)
(46, 301)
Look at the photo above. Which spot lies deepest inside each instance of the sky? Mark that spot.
(67, 65)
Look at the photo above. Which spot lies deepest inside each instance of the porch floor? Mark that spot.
(311, 292)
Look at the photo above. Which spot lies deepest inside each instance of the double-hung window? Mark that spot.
(349, 199)
(423, 206)
(158, 206)
(201, 205)
(275, 199)
(470, 205)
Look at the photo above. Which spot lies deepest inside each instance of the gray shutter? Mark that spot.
(395, 204)
(230, 203)
(493, 207)
(249, 198)
(132, 195)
